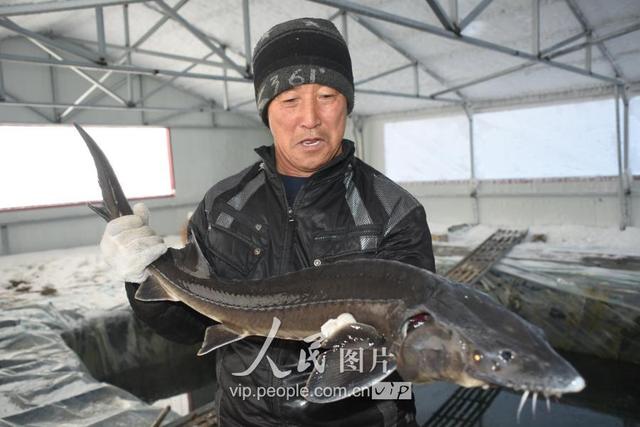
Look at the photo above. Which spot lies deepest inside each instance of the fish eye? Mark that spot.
(477, 356)
(506, 355)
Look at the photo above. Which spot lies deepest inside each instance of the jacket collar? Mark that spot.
(334, 167)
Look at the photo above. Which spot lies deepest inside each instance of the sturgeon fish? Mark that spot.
(409, 320)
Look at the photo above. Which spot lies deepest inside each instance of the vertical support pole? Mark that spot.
(416, 79)
(625, 154)
(345, 32)
(588, 53)
(625, 112)
(472, 166)
(621, 195)
(2, 95)
(360, 132)
(453, 13)
(357, 123)
(102, 45)
(4, 240)
(143, 119)
(225, 99)
(54, 92)
(535, 5)
(127, 44)
(213, 115)
(247, 33)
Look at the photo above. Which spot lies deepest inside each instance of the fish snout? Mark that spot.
(576, 385)
(573, 384)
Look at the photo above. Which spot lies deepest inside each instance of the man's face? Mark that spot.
(307, 123)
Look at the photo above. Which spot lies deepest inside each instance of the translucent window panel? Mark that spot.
(51, 165)
(427, 150)
(634, 135)
(571, 140)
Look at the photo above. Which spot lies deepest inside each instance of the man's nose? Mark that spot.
(310, 117)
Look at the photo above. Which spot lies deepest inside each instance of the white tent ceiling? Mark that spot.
(383, 35)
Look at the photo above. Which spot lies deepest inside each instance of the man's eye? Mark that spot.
(327, 95)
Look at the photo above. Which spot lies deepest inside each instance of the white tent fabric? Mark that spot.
(381, 36)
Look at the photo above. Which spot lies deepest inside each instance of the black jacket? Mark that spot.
(247, 231)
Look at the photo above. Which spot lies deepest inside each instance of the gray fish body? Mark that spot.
(381, 293)
(429, 327)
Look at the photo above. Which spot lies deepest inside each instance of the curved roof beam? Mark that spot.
(57, 6)
(582, 19)
(442, 16)
(420, 26)
(474, 14)
(200, 35)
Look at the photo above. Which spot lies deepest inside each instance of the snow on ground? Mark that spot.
(75, 279)
(70, 279)
(568, 237)
(591, 239)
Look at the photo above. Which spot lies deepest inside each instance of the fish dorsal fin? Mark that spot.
(150, 290)
(354, 334)
(356, 360)
(217, 336)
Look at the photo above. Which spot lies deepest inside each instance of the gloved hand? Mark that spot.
(332, 325)
(129, 245)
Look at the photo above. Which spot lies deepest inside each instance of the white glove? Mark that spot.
(129, 245)
(332, 325)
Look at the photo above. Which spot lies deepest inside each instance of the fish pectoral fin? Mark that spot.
(354, 334)
(104, 214)
(217, 336)
(151, 291)
(344, 371)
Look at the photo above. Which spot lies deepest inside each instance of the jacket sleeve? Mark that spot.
(409, 241)
(173, 320)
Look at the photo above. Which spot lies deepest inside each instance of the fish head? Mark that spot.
(464, 336)
(522, 362)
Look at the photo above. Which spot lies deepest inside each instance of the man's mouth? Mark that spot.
(311, 142)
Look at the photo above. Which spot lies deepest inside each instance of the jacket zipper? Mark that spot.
(290, 229)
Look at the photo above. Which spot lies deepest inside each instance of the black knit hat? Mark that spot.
(305, 50)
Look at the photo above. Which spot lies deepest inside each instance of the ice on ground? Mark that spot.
(70, 279)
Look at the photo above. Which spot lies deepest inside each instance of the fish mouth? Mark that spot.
(556, 388)
(576, 385)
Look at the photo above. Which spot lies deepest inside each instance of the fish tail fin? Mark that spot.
(115, 202)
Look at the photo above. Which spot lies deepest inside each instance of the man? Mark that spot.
(308, 202)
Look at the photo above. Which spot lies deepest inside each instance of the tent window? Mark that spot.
(572, 140)
(51, 166)
(558, 141)
(427, 150)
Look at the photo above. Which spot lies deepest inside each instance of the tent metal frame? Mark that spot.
(93, 55)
